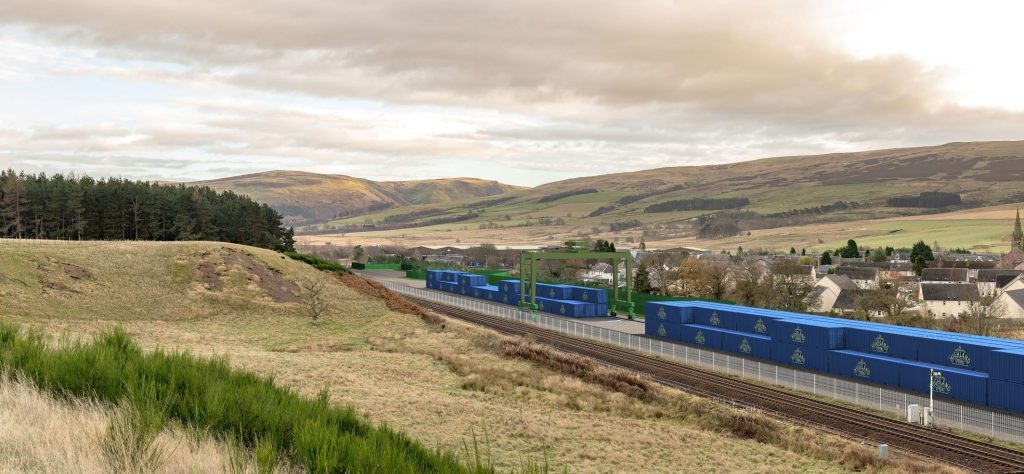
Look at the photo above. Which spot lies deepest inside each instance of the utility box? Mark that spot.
(914, 413)
(883, 451)
(926, 420)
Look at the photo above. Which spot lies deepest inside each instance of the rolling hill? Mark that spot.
(745, 196)
(302, 196)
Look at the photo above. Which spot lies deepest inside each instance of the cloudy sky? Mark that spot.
(522, 91)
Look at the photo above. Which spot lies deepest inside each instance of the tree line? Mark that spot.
(83, 208)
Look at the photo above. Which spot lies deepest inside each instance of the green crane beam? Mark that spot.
(528, 274)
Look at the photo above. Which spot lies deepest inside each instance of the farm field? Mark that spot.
(983, 229)
(442, 387)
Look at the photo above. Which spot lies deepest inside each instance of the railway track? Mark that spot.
(931, 443)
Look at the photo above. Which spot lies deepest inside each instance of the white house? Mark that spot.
(946, 300)
(828, 289)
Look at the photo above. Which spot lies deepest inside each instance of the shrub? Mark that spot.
(319, 263)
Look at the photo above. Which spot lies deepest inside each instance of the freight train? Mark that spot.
(566, 300)
(975, 369)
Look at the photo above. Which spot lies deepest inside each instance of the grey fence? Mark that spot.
(946, 413)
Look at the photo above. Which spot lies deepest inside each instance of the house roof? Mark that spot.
(1017, 296)
(994, 276)
(847, 298)
(949, 292)
(841, 281)
(857, 273)
(867, 264)
(970, 264)
(944, 274)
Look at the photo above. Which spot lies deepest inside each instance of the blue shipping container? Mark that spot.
(1006, 395)
(589, 295)
(509, 286)
(953, 353)
(701, 336)
(886, 342)
(573, 309)
(555, 292)
(863, 366)
(468, 279)
(667, 311)
(800, 356)
(1007, 365)
(714, 318)
(753, 323)
(962, 385)
(823, 335)
(747, 344)
(601, 310)
(655, 328)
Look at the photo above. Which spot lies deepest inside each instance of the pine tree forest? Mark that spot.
(83, 208)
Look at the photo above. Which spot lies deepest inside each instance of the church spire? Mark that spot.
(1017, 240)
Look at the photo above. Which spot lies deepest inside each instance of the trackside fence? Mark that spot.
(979, 420)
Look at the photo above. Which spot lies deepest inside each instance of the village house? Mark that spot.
(828, 289)
(945, 275)
(866, 278)
(992, 281)
(946, 300)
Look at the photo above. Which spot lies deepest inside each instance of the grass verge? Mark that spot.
(206, 395)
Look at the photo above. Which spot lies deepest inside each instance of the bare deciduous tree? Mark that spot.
(982, 315)
(312, 299)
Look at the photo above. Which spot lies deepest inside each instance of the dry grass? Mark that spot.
(39, 433)
(439, 386)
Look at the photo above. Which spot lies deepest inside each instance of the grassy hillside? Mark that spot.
(442, 387)
(985, 173)
(304, 196)
(985, 229)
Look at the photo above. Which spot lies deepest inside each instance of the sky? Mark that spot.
(520, 91)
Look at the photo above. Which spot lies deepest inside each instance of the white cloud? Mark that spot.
(459, 87)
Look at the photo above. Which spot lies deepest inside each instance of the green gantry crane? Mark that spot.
(574, 250)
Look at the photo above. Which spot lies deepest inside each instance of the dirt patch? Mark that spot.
(270, 280)
(75, 271)
(394, 301)
(325, 346)
(209, 275)
(52, 285)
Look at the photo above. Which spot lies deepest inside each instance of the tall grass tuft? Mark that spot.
(206, 395)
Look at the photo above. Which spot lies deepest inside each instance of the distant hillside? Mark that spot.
(721, 200)
(302, 196)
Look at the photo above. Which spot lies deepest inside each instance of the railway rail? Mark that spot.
(939, 445)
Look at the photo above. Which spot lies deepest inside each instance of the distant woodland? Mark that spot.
(83, 208)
